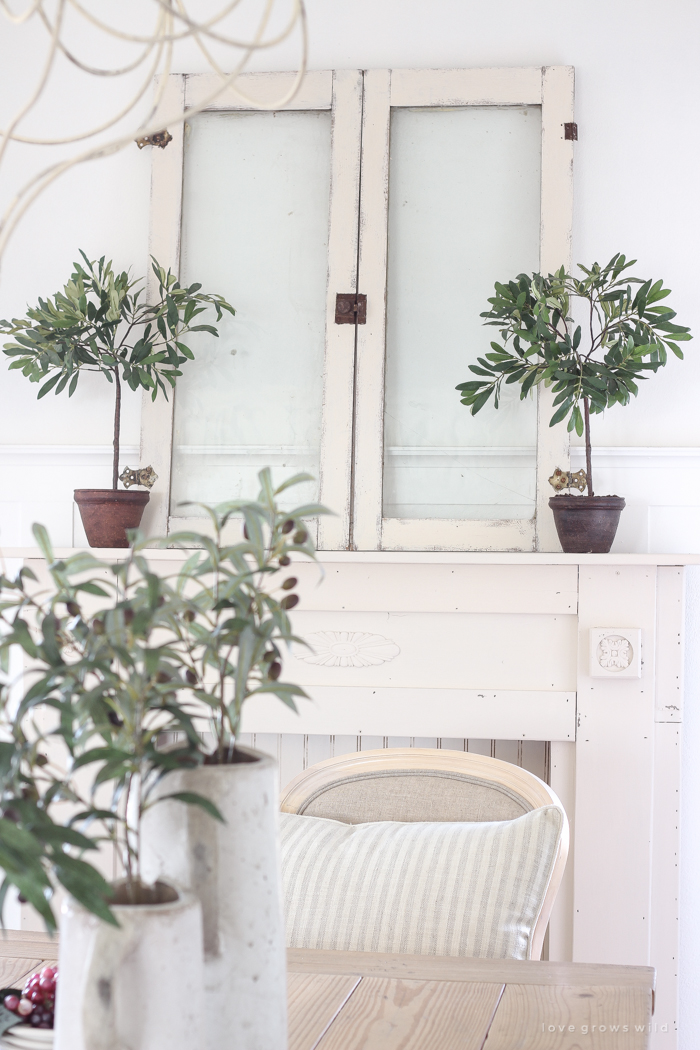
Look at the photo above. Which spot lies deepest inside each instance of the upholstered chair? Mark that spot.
(487, 835)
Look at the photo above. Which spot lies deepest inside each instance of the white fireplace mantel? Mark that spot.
(497, 645)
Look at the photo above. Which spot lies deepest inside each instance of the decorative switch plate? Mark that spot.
(616, 652)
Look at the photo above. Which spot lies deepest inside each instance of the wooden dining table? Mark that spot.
(363, 1001)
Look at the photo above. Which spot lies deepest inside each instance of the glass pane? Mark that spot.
(255, 228)
(464, 211)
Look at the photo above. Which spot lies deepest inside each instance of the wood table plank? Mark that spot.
(392, 1014)
(594, 1017)
(442, 968)
(368, 1001)
(314, 1001)
(28, 944)
(14, 971)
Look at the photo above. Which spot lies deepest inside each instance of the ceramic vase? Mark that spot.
(233, 869)
(138, 985)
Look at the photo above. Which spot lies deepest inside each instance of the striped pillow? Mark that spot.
(419, 888)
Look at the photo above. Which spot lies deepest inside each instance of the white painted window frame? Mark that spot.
(341, 93)
(351, 470)
(552, 88)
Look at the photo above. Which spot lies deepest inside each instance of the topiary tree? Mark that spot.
(627, 334)
(99, 323)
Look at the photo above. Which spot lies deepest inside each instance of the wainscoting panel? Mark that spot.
(37, 483)
(660, 485)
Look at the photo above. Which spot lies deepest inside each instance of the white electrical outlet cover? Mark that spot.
(616, 652)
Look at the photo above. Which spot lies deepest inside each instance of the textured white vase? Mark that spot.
(138, 986)
(233, 868)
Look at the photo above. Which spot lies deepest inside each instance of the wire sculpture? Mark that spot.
(173, 25)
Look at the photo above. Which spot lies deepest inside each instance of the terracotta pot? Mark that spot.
(108, 513)
(586, 524)
(234, 870)
(138, 985)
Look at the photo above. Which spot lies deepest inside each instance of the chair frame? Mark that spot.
(533, 791)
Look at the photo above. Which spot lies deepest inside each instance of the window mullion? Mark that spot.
(371, 337)
(555, 251)
(164, 245)
(339, 366)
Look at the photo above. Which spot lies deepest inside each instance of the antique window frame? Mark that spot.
(351, 466)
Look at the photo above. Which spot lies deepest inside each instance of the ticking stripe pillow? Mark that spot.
(419, 888)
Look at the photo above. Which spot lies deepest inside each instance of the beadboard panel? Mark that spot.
(295, 752)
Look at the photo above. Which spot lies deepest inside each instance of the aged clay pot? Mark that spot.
(586, 524)
(234, 870)
(108, 513)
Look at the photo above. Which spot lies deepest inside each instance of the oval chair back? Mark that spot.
(426, 784)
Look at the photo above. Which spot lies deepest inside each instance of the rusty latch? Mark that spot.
(350, 308)
(158, 138)
(571, 131)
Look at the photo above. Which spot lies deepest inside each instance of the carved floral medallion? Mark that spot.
(614, 653)
(347, 649)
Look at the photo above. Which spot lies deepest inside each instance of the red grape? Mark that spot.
(36, 1007)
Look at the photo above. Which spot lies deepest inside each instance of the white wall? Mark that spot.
(637, 96)
(637, 88)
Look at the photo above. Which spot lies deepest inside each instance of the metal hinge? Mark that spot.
(159, 138)
(350, 308)
(571, 132)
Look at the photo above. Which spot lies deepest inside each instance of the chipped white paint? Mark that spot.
(443, 534)
(369, 375)
(354, 360)
(552, 88)
(556, 218)
(164, 244)
(360, 710)
(339, 368)
(315, 91)
(466, 87)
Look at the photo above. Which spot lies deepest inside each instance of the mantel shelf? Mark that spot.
(410, 557)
